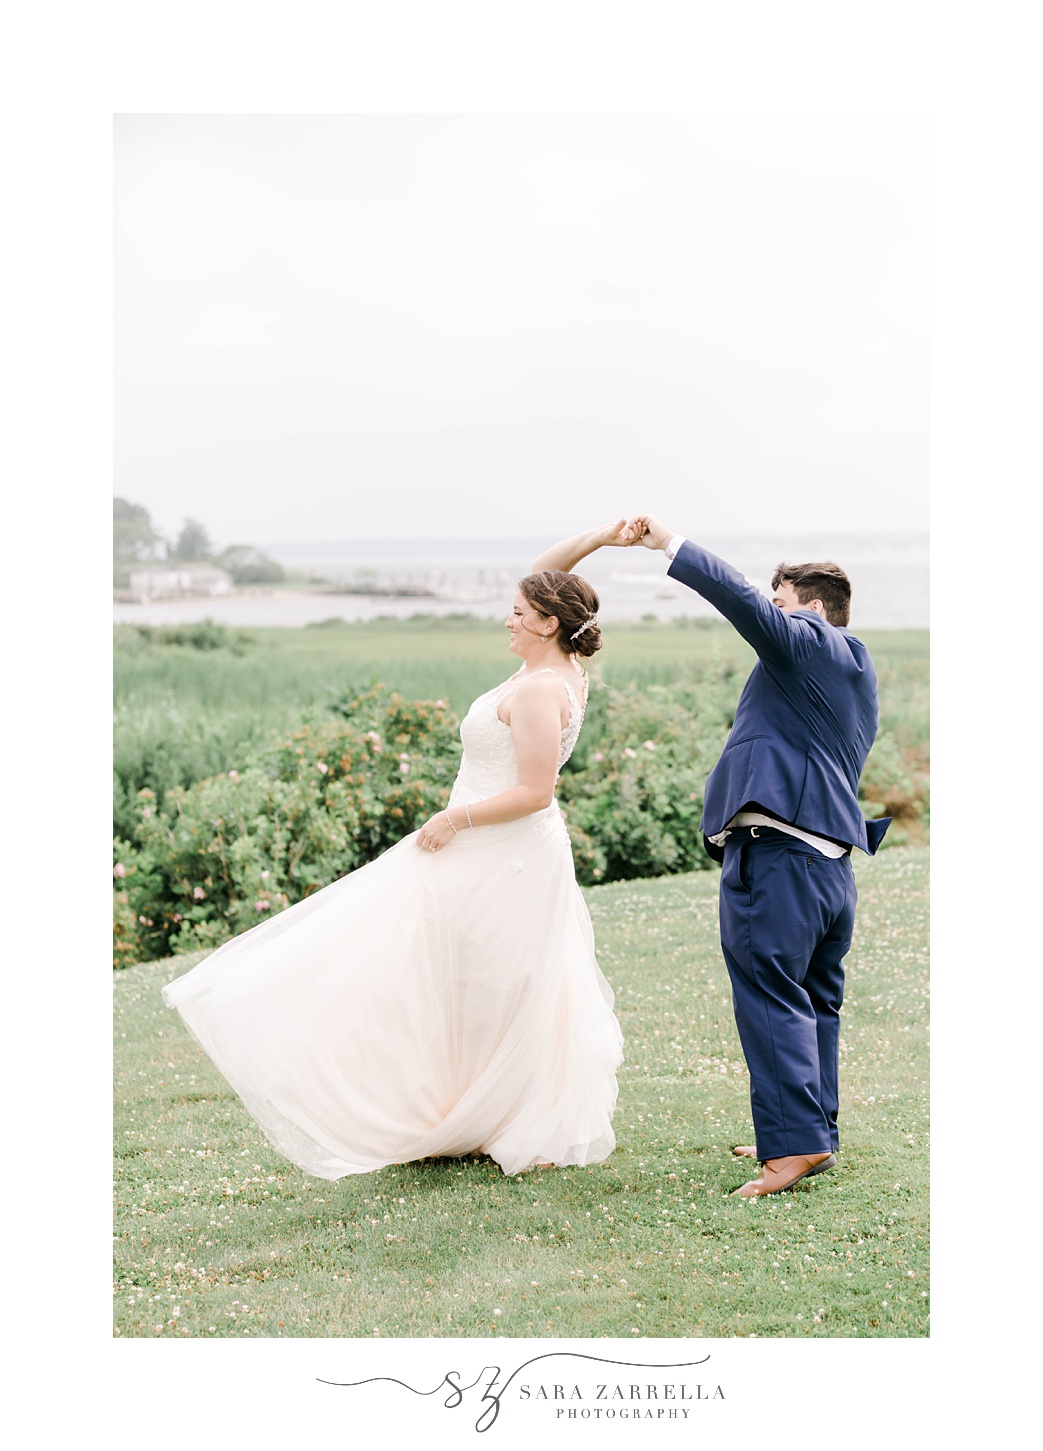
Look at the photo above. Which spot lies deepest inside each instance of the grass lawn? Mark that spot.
(217, 1236)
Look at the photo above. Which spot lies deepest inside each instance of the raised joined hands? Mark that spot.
(622, 534)
(646, 529)
(643, 529)
(619, 535)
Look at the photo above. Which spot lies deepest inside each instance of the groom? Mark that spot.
(781, 813)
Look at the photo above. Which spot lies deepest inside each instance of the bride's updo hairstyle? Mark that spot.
(571, 598)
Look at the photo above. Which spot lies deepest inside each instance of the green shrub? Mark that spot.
(218, 857)
(893, 783)
(633, 792)
(204, 635)
(197, 862)
(156, 749)
(128, 944)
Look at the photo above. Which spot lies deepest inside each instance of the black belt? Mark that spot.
(742, 834)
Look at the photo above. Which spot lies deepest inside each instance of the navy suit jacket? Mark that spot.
(805, 720)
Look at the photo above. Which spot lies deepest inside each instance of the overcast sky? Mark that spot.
(341, 327)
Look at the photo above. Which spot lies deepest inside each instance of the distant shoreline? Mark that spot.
(360, 580)
(280, 608)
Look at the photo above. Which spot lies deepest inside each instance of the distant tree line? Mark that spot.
(136, 544)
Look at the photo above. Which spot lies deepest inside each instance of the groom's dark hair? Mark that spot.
(826, 582)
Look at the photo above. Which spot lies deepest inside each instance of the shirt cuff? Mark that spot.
(674, 545)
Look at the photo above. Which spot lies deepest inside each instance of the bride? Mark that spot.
(444, 999)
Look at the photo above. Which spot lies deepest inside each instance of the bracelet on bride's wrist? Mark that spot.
(448, 818)
(467, 813)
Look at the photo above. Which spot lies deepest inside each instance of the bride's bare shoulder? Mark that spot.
(536, 689)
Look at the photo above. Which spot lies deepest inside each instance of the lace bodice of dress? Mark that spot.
(490, 764)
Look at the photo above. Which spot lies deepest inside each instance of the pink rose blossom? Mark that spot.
(628, 752)
(649, 745)
(323, 767)
(599, 755)
(262, 904)
(265, 875)
(198, 893)
(403, 766)
(233, 775)
(440, 705)
(119, 870)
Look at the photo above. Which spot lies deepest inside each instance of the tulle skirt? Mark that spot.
(429, 1004)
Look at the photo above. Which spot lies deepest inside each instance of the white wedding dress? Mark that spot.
(428, 1004)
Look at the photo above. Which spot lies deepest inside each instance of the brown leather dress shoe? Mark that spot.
(779, 1174)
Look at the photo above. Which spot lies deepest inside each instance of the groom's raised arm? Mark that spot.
(777, 637)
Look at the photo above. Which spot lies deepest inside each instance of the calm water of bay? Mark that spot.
(889, 574)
